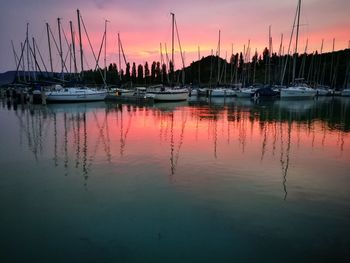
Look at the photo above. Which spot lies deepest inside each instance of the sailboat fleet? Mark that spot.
(173, 92)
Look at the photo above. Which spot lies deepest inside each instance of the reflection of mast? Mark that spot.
(122, 134)
(55, 139)
(264, 141)
(172, 166)
(85, 149)
(285, 163)
(174, 155)
(65, 143)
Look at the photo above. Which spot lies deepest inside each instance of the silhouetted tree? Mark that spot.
(153, 72)
(127, 72)
(147, 80)
(133, 72)
(140, 73)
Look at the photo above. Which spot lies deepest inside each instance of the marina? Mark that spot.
(157, 131)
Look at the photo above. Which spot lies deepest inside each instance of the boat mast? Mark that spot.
(120, 62)
(296, 42)
(73, 46)
(172, 46)
(218, 79)
(270, 54)
(16, 59)
(80, 44)
(60, 42)
(35, 61)
(27, 42)
(199, 66)
(105, 61)
(48, 40)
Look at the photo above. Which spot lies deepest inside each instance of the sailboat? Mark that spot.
(75, 94)
(163, 93)
(78, 93)
(298, 89)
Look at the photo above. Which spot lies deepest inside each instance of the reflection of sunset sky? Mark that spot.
(144, 24)
(211, 136)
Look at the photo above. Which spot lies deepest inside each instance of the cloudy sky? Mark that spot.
(144, 24)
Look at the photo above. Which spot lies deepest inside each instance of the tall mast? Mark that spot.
(105, 61)
(199, 66)
(218, 79)
(16, 59)
(73, 46)
(35, 64)
(270, 50)
(296, 42)
(27, 40)
(172, 44)
(120, 62)
(80, 44)
(60, 42)
(48, 40)
(23, 64)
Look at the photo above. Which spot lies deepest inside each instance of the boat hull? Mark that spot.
(75, 96)
(298, 93)
(222, 93)
(345, 93)
(171, 95)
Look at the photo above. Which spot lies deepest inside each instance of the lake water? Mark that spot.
(198, 181)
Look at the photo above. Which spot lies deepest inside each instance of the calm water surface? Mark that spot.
(225, 181)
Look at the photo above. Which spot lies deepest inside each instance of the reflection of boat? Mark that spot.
(76, 107)
(295, 105)
(170, 106)
(75, 94)
(161, 93)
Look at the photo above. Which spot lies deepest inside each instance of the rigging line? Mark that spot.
(121, 46)
(99, 53)
(178, 39)
(289, 45)
(20, 59)
(41, 58)
(36, 62)
(93, 53)
(58, 49)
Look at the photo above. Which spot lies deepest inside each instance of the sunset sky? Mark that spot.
(143, 25)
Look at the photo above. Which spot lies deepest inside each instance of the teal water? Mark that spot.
(198, 181)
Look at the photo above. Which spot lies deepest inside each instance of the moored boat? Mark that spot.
(345, 93)
(298, 91)
(160, 93)
(75, 94)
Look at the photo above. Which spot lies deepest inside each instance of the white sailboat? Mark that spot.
(297, 89)
(345, 93)
(163, 93)
(222, 92)
(73, 94)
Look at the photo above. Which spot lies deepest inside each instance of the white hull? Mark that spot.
(169, 95)
(245, 93)
(222, 93)
(345, 93)
(298, 92)
(75, 95)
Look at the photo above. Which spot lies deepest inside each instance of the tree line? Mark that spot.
(331, 69)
